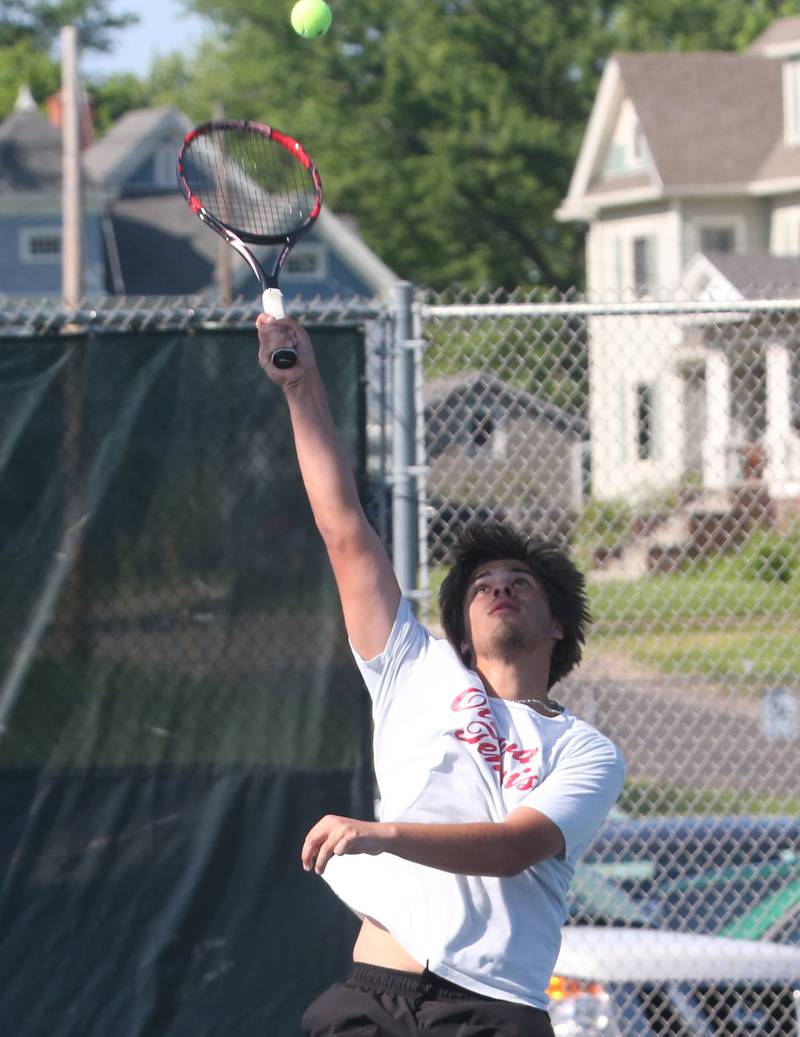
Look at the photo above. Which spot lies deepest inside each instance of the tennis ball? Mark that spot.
(311, 18)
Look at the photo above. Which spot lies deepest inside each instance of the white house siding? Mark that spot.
(626, 352)
(610, 260)
(781, 440)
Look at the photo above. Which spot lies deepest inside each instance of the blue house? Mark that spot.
(139, 236)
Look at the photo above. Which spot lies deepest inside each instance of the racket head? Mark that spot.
(255, 181)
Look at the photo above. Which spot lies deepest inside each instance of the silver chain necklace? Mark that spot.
(551, 704)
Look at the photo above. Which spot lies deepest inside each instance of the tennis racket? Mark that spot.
(253, 185)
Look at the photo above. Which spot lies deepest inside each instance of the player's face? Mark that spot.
(506, 610)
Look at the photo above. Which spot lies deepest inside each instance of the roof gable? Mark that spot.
(707, 119)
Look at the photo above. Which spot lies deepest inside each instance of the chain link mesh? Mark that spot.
(659, 443)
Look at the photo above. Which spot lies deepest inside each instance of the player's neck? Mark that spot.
(517, 678)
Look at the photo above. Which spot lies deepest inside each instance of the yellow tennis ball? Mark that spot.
(311, 18)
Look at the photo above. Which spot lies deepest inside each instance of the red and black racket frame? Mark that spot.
(238, 239)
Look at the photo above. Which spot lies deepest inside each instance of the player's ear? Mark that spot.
(556, 630)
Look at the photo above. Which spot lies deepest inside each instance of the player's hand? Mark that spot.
(282, 334)
(340, 835)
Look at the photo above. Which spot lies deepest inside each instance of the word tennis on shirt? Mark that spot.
(481, 732)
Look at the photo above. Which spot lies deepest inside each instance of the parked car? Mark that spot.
(700, 874)
(632, 982)
(620, 975)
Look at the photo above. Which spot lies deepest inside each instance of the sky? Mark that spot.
(163, 27)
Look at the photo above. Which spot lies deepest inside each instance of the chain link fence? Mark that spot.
(659, 442)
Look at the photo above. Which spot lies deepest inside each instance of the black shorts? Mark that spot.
(378, 1002)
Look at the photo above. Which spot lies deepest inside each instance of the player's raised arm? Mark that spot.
(367, 585)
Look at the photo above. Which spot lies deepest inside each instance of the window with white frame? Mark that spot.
(644, 274)
(786, 232)
(627, 150)
(717, 238)
(791, 101)
(40, 245)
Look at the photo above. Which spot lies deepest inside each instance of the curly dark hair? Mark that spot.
(562, 583)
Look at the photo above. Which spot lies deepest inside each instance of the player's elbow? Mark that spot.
(343, 532)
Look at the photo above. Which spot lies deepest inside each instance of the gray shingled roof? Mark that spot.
(30, 153)
(759, 275)
(784, 30)
(107, 155)
(443, 391)
(710, 117)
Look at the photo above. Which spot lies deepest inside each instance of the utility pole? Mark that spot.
(72, 214)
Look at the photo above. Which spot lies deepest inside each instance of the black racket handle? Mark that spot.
(283, 358)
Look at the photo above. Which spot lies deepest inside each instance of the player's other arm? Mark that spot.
(499, 848)
(367, 585)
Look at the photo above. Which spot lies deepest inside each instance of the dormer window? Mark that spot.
(628, 148)
(791, 101)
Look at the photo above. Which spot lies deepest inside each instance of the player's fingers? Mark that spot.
(326, 851)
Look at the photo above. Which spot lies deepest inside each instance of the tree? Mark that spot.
(29, 30)
(658, 25)
(23, 64)
(39, 22)
(447, 129)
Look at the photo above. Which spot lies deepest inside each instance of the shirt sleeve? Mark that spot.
(581, 788)
(408, 642)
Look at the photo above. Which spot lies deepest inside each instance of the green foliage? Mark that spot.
(40, 21)
(448, 129)
(658, 25)
(642, 799)
(115, 96)
(773, 558)
(24, 64)
(29, 30)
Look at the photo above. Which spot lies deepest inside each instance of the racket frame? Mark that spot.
(271, 295)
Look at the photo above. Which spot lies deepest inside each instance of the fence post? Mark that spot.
(404, 495)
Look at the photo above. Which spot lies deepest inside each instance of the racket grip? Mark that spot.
(272, 305)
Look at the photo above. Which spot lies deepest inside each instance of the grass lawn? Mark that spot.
(741, 653)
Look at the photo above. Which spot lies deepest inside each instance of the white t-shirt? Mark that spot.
(445, 752)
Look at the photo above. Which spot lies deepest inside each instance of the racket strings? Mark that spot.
(250, 183)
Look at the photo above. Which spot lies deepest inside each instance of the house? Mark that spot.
(139, 236)
(477, 428)
(688, 181)
(30, 208)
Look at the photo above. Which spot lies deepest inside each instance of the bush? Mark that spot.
(773, 559)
